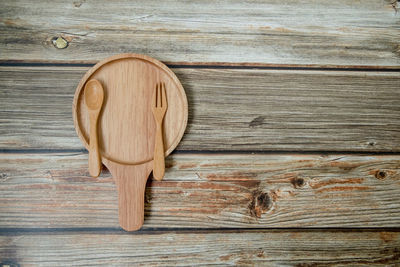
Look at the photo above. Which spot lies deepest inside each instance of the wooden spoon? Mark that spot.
(94, 95)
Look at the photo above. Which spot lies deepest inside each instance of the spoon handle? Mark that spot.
(94, 155)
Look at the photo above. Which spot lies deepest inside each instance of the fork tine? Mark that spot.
(159, 103)
(155, 97)
(164, 96)
(159, 95)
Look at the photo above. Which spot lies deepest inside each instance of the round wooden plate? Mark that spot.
(126, 127)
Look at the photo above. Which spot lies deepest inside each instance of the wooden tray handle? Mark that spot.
(131, 185)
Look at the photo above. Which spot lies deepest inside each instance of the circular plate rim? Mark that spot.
(156, 62)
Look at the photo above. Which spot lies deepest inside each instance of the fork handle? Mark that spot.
(159, 160)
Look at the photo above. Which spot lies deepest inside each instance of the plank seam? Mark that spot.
(214, 152)
(221, 65)
(111, 230)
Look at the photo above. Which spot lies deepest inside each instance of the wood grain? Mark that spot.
(229, 109)
(248, 248)
(327, 79)
(295, 32)
(207, 191)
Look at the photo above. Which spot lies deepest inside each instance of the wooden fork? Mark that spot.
(159, 107)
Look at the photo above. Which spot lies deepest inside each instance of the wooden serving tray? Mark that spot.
(126, 127)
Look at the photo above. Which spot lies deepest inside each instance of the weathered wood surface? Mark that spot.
(274, 32)
(248, 248)
(275, 110)
(207, 191)
(325, 77)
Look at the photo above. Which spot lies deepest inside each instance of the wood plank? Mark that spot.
(295, 32)
(229, 109)
(249, 248)
(207, 191)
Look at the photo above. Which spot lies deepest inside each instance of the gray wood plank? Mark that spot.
(274, 32)
(207, 191)
(229, 109)
(249, 248)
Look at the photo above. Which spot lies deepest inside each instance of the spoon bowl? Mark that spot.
(94, 94)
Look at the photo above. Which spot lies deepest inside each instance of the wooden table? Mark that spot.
(291, 155)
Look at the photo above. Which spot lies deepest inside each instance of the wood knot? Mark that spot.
(371, 143)
(297, 182)
(3, 177)
(59, 42)
(257, 121)
(147, 198)
(260, 203)
(79, 3)
(394, 5)
(397, 49)
(380, 175)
